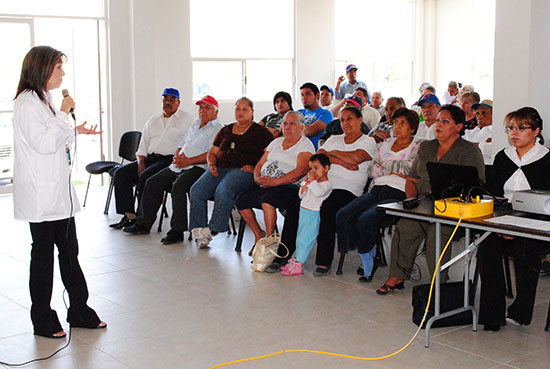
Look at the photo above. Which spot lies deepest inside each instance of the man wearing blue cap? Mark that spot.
(429, 106)
(327, 95)
(348, 87)
(159, 141)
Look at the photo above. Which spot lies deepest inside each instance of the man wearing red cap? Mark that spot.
(348, 87)
(188, 165)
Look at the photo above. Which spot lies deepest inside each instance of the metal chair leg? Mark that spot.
(341, 263)
(240, 235)
(109, 194)
(163, 211)
(87, 188)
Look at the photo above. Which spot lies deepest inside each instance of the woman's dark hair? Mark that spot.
(247, 100)
(37, 69)
(353, 110)
(323, 159)
(527, 116)
(410, 115)
(286, 96)
(457, 114)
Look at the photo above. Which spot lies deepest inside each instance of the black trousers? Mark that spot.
(527, 256)
(178, 184)
(327, 229)
(45, 235)
(290, 229)
(126, 177)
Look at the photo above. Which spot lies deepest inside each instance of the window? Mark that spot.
(380, 41)
(245, 47)
(77, 28)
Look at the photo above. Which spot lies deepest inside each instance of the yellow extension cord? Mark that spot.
(359, 357)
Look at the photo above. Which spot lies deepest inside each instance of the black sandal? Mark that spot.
(386, 288)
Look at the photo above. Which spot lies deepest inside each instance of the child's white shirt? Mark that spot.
(315, 194)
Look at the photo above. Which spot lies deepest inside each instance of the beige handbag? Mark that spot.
(265, 251)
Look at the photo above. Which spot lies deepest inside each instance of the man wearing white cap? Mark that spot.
(188, 165)
(483, 133)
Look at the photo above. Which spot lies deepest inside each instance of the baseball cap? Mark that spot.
(325, 87)
(356, 100)
(171, 92)
(350, 67)
(431, 98)
(208, 100)
(486, 103)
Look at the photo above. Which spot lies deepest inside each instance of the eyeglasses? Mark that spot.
(519, 128)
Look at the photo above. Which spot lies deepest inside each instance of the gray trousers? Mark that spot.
(178, 184)
(405, 243)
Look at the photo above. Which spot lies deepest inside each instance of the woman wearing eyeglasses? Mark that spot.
(521, 166)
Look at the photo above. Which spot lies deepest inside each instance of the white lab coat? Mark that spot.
(41, 166)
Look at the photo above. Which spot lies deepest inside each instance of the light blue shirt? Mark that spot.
(197, 141)
(348, 88)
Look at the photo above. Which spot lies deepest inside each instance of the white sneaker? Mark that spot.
(203, 236)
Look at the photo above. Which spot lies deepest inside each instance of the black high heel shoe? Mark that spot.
(364, 278)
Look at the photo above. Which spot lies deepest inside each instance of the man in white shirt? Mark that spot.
(376, 103)
(371, 117)
(429, 106)
(159, 140)
(482, 134)
(188, 165)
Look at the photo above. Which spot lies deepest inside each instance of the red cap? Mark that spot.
(209, 100)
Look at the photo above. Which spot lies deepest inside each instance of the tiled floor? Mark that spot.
(180, 307)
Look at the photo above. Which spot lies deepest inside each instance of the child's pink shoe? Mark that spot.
(293, 267)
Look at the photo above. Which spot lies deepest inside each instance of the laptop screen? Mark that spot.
(452, 180)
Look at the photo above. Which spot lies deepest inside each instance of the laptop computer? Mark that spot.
(452, 180)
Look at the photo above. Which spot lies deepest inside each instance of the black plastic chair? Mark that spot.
(127, 148)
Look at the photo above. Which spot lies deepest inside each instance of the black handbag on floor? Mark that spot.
(452, 297)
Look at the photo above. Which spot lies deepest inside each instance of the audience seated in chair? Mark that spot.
(448, 147)
(161, 135)
(231, 160)
(357, 223)
(188, 165)
(282, 166)
(282, 103)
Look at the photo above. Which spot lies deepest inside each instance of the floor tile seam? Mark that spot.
(465, 351)
(521, 356)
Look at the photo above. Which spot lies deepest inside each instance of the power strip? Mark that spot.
(455, 207)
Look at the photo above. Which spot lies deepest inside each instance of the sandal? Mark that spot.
(56, 335)
(386, 288)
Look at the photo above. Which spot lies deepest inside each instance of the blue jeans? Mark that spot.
(357, 222)
(308, 229)
(224, 188)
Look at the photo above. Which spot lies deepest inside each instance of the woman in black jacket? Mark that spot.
(522, 166)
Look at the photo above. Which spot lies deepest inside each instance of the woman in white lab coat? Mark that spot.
(43, 194)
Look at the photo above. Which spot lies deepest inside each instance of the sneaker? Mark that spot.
(293, 267)
(320, 272)
(203, 236)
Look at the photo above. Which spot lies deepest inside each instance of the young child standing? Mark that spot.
(313, 191)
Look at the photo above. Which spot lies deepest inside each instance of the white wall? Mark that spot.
(150, 50)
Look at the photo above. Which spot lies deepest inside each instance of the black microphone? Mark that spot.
(65, 93)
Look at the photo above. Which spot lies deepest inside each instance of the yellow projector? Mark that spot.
(455, 207)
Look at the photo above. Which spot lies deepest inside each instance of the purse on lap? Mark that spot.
(265, 251)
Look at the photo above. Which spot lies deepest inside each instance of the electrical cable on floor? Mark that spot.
(360, 357)
(49, 356)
